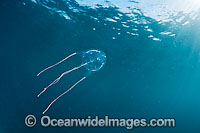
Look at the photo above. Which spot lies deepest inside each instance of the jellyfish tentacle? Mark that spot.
(62, 95)
(57, 80)
(56, 64)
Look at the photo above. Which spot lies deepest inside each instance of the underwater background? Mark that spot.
(152, 68)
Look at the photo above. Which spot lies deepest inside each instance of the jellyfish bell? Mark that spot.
(95, 60)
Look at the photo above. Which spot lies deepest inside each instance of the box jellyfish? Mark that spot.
(92, 60)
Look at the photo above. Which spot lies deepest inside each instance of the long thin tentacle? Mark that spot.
(56, 64)
(62, 94)
(57, 80)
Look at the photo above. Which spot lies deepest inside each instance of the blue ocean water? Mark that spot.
(152, 68)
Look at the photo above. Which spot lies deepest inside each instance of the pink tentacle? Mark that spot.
(56, 64)
(62, 95)
(57, 80)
